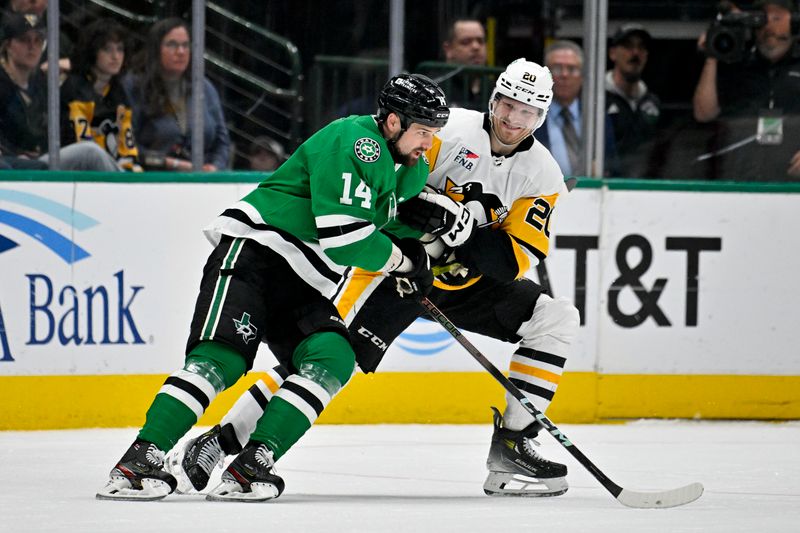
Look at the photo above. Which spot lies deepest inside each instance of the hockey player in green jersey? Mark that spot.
(279, 253)
(493, 225)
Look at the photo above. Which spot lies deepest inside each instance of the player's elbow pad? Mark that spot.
(491, 253)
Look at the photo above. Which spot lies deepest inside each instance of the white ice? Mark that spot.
(411, 478)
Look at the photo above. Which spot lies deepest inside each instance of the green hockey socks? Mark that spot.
(210, 368)
(325, 362)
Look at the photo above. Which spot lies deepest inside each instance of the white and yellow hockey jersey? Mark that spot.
(518, 192)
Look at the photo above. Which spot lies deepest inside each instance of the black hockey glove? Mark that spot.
(491, 253)
(418, 281)
(439, 215)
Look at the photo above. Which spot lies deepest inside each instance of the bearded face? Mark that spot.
(630, 58)
(407, 146)
(774, 39)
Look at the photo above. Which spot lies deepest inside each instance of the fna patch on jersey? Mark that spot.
(368, 150)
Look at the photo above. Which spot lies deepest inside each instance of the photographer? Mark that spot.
(755, 97)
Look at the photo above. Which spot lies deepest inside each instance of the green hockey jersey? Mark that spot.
(323, 208)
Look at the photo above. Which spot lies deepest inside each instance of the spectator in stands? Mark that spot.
(756, 102)
(266, 154)
(33, 7)
(562, 132)
(94, 106)
(633, 109)
(465, 45)
(160, 93)
(23, 101)
(39, 8)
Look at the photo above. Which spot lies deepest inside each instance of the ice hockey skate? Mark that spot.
(139, 475)
(515, 469)
(249, 478)
(194, 461)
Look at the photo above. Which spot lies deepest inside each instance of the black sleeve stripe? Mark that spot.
(335, 231)
(533, 389)
(535, 251)
(544, 357)
(190, 389)
(306, 395)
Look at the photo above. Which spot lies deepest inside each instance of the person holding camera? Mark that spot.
(751, 90)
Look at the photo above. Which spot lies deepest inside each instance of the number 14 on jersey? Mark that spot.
(361, 191)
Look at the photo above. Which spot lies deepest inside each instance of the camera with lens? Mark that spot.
(731, 35)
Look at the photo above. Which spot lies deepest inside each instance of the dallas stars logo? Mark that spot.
(368, 150)
(244, 328)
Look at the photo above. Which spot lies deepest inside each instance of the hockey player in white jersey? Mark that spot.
(487, 218)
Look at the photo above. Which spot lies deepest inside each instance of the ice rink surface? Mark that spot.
(410, 478)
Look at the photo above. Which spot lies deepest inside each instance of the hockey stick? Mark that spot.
(639, 500)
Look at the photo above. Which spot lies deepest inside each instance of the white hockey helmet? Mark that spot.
(526, 82)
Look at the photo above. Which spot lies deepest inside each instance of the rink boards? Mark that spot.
(687, 293)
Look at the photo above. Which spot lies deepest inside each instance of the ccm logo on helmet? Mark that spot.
(405, 83)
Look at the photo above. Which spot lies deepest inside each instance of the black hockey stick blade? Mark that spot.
(570, 183)
(630, 498)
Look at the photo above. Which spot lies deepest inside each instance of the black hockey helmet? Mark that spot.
(414, 98)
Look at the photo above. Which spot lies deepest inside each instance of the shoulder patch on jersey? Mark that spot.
(368, 150)
(466, 158)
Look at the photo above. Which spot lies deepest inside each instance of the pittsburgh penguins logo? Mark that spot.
(472, 191)
(107, 134)
(368, 150)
